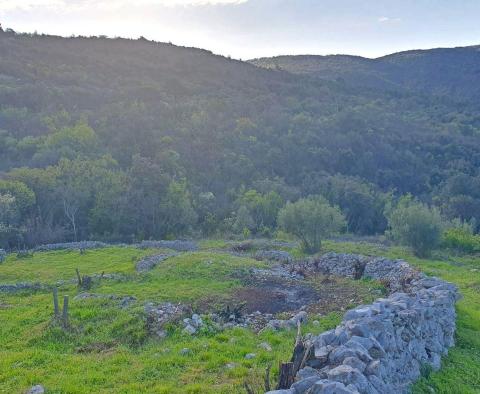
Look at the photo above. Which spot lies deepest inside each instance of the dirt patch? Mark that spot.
(277, 290)
(318, 294)
(276, 296)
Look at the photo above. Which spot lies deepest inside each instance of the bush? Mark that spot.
(416, 225)
(462, 240)
(311, 220)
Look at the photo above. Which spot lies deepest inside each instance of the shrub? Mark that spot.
(414, 224)
(462, 240)
(311, 220)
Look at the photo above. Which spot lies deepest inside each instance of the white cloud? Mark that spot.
(26, 5)
(387, 19)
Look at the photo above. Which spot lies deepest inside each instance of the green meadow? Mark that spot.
(107, 349)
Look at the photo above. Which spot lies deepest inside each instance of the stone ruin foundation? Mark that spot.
(380, 348)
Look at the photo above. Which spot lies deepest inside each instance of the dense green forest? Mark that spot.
(121, 140)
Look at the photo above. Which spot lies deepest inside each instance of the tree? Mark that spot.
(361, 202)
(311, 220)
(414, 224)
(244, 222)
(262, 208)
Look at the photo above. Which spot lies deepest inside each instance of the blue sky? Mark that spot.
(254, 28)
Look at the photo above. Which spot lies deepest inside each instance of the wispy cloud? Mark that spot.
(26, 5)
(387, 19)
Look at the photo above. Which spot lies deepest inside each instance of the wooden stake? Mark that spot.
(65, 311)
(267, 378)
(55, 302)
(78, 277)
(286, 376)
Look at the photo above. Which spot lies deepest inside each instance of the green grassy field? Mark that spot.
(107, 350)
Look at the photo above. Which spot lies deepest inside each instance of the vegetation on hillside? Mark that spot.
(122, 140)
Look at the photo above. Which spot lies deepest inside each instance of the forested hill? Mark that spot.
(445, 71)
(126, 139)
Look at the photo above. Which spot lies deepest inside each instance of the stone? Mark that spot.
(328, 387)
(304, 385)
(347, 375)
(373, 368)
(190, 329)
(197, 320)
(38, 389)
(265, 346)
(249, 356)
(185, 351)
(308, 372)
(356, 363)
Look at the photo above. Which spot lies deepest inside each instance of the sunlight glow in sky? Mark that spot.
(254, 28)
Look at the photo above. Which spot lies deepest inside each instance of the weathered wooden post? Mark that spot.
(55, 302)
(65, 311)
(286, 376)
(79, 278)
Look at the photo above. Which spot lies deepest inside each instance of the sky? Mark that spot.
(245, 29)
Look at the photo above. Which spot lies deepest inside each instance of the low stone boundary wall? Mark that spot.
(379, 348)
(178, 245)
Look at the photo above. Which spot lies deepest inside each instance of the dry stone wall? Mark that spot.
(380, 348)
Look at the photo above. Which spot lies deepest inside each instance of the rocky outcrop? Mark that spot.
(381, 348)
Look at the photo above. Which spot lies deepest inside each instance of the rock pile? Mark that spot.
(193, 324)
(159, 315)
(178, 245)
(82, 245)
(381, 348)
(150, 262)
(22, 286)
(279, 256)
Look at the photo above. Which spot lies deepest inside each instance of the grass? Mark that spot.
(108, 349)
(50, 267)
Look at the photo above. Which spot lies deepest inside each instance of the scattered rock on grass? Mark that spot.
(265, 346)
(38, 389)
(124, 301)
(158, 315)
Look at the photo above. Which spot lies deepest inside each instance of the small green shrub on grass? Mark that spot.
(461, 240)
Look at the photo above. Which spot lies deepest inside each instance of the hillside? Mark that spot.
(452, 72)
(133, 139)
